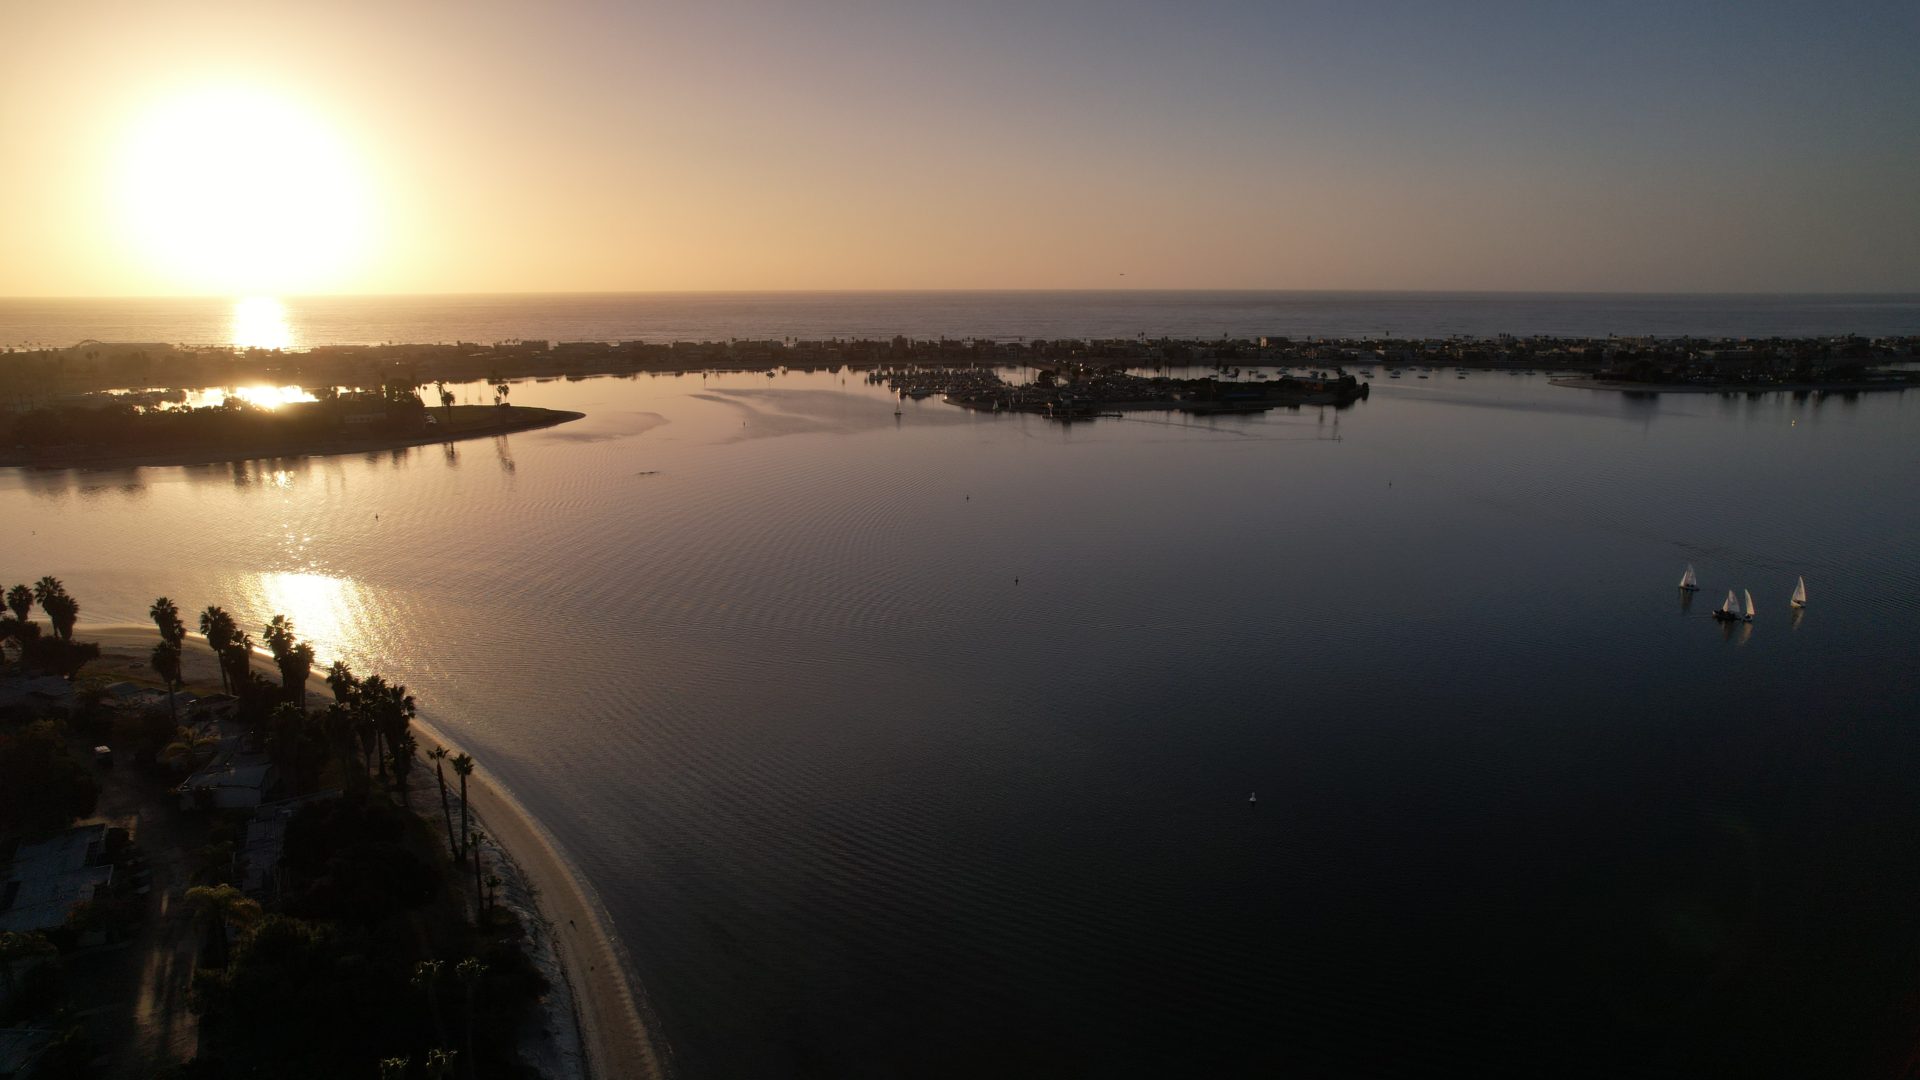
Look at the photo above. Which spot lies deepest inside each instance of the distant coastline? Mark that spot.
(492, 421)
(1015, 315)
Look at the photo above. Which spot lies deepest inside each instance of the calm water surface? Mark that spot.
(923, 746)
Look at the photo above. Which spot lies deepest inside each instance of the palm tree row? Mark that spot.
(367, 727)
(60, 653)
(63, 611)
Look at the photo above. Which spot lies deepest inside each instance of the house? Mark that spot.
(47, 877)
(231, 782)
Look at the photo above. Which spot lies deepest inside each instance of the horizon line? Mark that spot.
(225, 297)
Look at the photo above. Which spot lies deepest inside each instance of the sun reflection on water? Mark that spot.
(263, 397)
(330, 612)
(260, 322)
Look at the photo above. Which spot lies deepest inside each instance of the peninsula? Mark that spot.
(141, 429)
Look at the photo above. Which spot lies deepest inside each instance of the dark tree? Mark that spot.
(20, 601)
(166, 664)
(219, 628)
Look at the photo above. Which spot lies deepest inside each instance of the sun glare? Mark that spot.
(328, 611)
(236, 190)
(260, 397)
(260, 322)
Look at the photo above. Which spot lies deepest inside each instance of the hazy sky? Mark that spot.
(158, 148)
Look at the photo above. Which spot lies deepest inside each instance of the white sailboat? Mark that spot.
(1749, 593)
(1729, 609)
(1800, 594)
(1688, 581)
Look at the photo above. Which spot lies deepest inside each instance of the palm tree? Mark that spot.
(470, 971)
(302, 671)
(341, 681)
(463, 767)
(389, 709)
(219, 905)
(166, 664)
(166, 616)
(426, 975)
(218, 628)
(237, 658)
(292, 656)
(474, 840)
(62, 611)
(404, 751)
(47, 586)
(439, 756)
(279, 636)
(20, 601)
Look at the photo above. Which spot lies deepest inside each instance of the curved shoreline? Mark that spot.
(520, 418)
(604, 995)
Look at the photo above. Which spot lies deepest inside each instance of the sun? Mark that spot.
(237, 190)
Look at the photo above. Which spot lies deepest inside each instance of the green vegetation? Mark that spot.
(35, 651)
(359, 956)
(42, 784)
(348, 968)
(339, 973)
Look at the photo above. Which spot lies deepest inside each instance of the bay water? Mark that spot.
(923, 745)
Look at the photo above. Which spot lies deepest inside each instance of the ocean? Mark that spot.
(923, 745)
(308, 321)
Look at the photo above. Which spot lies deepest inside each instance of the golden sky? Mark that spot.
(233, 148)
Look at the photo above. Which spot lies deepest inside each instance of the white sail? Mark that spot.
(1749, 593)
(1800, 594)
(1732, 606)
(1687, 580)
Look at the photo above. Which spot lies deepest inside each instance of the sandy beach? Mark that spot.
(594, 985)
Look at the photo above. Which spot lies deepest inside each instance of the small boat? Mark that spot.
(1688, 581)
(1252, 798)
(1800, 594)
(1749, 593)
(1729, 609)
